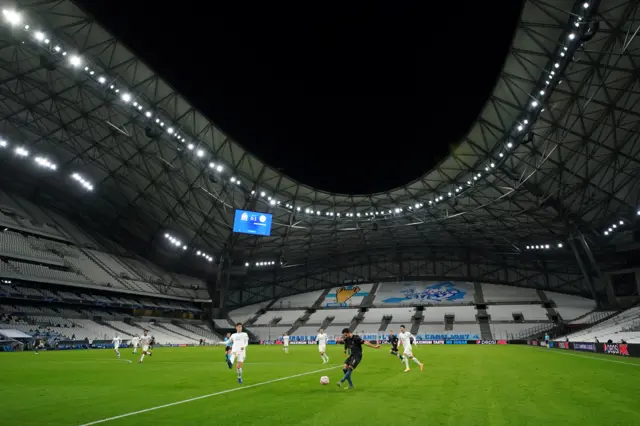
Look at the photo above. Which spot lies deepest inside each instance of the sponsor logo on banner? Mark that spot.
(502, 342)
(616, 349)
(456, 342)
(562, 345)
(431, 342)
(486, 342)
(298, 343)
(590, 347)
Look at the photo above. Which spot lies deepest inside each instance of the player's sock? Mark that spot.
(239, 373)
(406, 362)
(349, 379)
(416, 361)
(347, 375)
(142, 357)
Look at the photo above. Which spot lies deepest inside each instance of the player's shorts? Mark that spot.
(353, 361)
(135, 345)
(227, 348)
(408, 352)
(394, 348)
(240, 356)
(322, 348)
(116, 347)
(145, 348)
(286, 345)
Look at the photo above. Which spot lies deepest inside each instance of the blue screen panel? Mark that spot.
(255, 223)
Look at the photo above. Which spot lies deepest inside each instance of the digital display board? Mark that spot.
(255, 223)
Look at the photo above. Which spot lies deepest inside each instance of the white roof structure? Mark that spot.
(553, 155)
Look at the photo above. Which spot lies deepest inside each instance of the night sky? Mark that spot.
(348, 97)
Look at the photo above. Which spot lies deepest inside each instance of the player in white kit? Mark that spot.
(135, 342)
(285, 343)
(145, 341)
(238, 342)
(321, 338)
(116, 344)
(405, 338)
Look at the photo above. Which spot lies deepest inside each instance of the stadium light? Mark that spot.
(44, 162)
(82, 181)
(521, 124)
(12, 17)
(21, 152)
(544, 247)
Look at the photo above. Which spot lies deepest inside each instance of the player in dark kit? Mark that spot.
(36, 344)
(352, 362)
(347, 346)
(393, 339)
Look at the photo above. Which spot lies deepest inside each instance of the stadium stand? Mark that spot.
(506, 312)
(340, 316)
(303, 300)
(460, 313)
(279, 317)
(504, 293)
(375, 315)
(246, 313)
(623, 326)
(570, 307)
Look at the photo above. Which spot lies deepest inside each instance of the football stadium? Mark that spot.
(153, 270)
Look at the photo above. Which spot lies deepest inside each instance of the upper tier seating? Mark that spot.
(505, 293)
(13, 243)
(529, 312)
(303, 300)
(342, 316)
(245, 313)
(569, 306)
(287, 317)
(38, 271)
(424, 292)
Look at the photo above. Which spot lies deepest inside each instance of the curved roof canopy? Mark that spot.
(554, 148)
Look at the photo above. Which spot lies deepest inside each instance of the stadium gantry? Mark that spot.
(535, 195)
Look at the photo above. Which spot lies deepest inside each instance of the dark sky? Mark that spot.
(351, 97)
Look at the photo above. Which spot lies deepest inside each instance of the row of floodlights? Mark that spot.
(14, 18)
(178, 244)
(544, 246)
(268, 263)
(205, 255)
(617, 225)
(45, 163)
(175, 242)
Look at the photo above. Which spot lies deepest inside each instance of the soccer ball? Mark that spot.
(324, 380)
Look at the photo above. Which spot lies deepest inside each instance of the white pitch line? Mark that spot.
(184, 401)
(594, 358)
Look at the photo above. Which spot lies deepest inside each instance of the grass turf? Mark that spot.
(461, 385)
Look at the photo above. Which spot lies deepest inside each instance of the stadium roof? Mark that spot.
(554, 151)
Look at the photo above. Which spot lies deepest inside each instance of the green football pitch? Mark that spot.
(461, 385)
